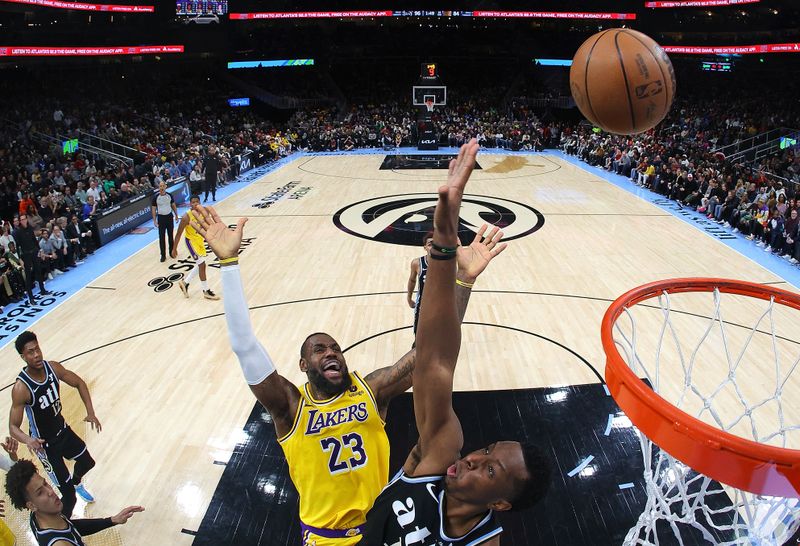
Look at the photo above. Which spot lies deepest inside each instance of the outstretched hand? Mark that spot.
(94, 422)
(125, 514)
(445, 218)
(223, 241)
(473, 259)
(10, 445)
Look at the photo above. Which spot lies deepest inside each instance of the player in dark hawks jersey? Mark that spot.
(37, 392)
(439, 497)
(28, 490)
(419, 268)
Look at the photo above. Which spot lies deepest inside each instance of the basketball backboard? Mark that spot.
(419, 93)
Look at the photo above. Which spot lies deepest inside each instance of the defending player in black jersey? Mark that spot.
(440, 498)
(37, 392)
(419, 268)
(28, 490)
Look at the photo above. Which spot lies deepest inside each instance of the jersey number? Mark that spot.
(334, 446)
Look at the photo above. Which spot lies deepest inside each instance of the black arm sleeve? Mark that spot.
(92, 526)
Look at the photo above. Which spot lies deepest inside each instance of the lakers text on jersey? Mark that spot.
(338, 455)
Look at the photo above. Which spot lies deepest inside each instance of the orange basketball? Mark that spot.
(622, 81)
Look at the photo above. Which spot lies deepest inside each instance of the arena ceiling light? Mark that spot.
(86, 51)
(431, 13)
(734, 50)
(111, 8)
(270, 64)
(698, 3)
(553, 62)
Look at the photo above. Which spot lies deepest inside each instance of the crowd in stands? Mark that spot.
(677, 160)
(55, 192)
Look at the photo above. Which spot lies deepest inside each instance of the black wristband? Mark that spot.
(442, 256)
(444, 249)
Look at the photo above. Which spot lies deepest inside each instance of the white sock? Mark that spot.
(193, 273)
(204, 284)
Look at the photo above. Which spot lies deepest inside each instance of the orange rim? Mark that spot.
(729, 459)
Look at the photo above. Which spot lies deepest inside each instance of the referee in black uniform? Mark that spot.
(164, 208)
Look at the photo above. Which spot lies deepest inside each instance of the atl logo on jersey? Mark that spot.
(51, 398)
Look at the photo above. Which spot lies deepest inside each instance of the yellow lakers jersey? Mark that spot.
(338, 455)
(190, 233)
(6, 536)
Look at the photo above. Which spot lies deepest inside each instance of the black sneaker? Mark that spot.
(163, 259)
(210, 295)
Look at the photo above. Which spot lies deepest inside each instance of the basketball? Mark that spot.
(622, 81)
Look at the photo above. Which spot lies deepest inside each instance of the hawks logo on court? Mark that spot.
(404, 219)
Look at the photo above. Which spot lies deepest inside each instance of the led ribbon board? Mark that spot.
(83, 51)
(733, 50)
(113, 8)
(430, 13)
(698, 3)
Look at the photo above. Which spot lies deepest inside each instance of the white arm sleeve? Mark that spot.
(5, 461)
(253, 358)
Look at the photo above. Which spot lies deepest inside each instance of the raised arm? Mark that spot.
(439, 332)
(472, 260)
(276, 394)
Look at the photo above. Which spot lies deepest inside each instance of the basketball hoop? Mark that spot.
(429, 105)
(721, 406)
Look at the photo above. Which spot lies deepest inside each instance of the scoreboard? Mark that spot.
(201, 7)
(716, 66)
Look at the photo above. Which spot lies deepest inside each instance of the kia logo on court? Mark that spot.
(405, 219)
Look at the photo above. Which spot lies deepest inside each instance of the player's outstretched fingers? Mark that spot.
(240, 225)
(499, 248)
(479, 234)
(214, 216)
(493, 238)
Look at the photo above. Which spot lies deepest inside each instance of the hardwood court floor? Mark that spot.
(166, 385)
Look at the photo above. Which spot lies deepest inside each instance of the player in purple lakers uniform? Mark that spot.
(331, 429)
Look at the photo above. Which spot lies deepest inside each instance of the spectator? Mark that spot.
(6, 238)
(48, 256)
(80, 194)
(77, 233)
(90, 208)
(60, 248)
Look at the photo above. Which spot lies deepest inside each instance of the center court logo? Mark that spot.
(404, 219)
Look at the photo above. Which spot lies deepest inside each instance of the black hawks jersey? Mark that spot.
(408, 512)
(44, 411)
(46, 537)
(423, 272)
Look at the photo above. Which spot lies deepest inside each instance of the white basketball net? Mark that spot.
(680, 502)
